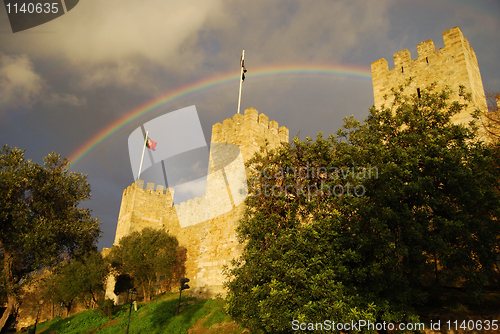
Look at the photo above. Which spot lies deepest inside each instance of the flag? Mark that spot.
(242, 61)
(151, 144)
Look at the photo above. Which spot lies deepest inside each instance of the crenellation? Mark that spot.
(238, 118)
(273, 125)
(453, 37)
(284, 134)
(425, 49)
(150, 186)
(251, 115)
(217, 133)
(379, 67)
(264, 120)
(402, 59)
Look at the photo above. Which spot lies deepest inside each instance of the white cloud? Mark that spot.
(97, 31)
(20, 85)
(68, 99)
(122, 73)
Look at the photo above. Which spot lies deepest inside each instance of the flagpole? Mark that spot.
(142, 157)
(241, 78)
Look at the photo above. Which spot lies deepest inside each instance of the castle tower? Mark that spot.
(143, 208)
(205, 226)
(454, 65)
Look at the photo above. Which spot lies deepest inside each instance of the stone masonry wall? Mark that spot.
(205, 226)
(454, 65)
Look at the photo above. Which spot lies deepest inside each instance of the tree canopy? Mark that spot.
(363, 224)
(145, 256)
(40, 221)
(82, 279)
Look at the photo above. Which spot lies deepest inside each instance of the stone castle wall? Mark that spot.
(454, 65)
(205, 226)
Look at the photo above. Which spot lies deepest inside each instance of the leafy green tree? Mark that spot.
(82, 279)
(433, 211)
(357, 226)
(299, 253)
(40, 221)
(145, 256)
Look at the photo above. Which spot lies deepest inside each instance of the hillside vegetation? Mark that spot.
(196, 316)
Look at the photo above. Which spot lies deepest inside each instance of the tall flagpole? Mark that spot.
(142, 157)
(241, 77)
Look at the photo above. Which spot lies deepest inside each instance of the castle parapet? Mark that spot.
(453, 65)
(249, 132)
(426, 48)
(142, 208)
(150, 186)
(402, 59)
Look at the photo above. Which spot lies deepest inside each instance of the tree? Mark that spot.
(351, 227)
(40, 222)
(300, 256)
(433, 210)
(145, 256)
(82, 279)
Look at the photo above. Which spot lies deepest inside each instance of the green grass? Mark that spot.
(150, 317)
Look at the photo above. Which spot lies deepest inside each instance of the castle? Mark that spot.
(206, 226)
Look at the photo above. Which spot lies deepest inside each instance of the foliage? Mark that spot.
(433, 211)
(82, 279)
(145, 256)
(151, 318)
(107, 307)
(359, 225)
(40, 221)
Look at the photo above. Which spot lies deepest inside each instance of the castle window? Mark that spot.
(427, 60)
(418, 92)
(402, 70)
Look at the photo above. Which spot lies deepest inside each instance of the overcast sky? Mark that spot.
(63, 82)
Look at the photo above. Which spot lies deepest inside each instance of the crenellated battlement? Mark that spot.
(160, 189)
(453, 39)
(426, 48)
(143, 207)
(249, 132)
(453, 65)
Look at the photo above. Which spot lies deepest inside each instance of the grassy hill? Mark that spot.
(196, 316)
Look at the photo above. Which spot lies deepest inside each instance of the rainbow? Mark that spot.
(344, 71)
